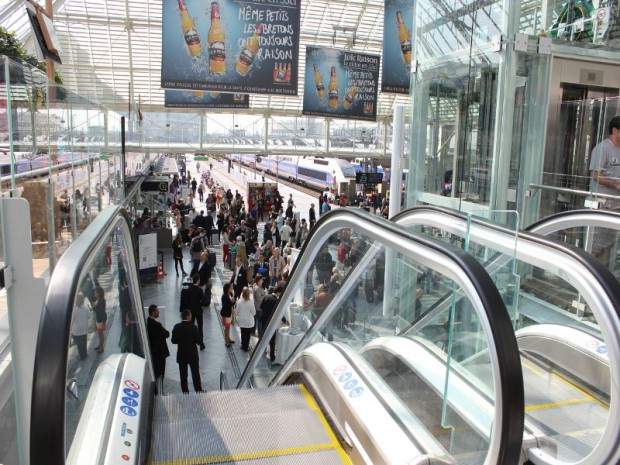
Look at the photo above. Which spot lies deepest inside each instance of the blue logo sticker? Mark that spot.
(128, 411)
(129, 401)
(356, 392)
(350, 384)
(345, 377)
(130, 392)
(601, 349)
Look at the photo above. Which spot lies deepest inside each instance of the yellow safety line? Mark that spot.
(564, 403)
(587, 397)
(336, 444)
(247, 455)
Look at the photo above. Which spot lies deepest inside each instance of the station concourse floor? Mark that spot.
(166, 294)
(216, 357)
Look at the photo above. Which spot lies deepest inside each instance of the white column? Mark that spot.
(398, 144)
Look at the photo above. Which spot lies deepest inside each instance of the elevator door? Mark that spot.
(577, 122)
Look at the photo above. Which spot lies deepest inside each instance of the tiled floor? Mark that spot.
(216, 358)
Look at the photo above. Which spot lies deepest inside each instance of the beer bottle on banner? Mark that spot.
(405, 40)
(248, 53)
(318, 82)
(214, 94)
(281, 72)
(350, 97)
(189, 31)
(198, 94)
(217, 42)
(287, 76)
(333, 89)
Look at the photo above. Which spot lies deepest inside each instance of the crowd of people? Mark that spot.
(260, 260)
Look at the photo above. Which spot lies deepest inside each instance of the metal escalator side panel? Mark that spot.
(353, 406)
(82, 268)
(592, 280)
(463, 270)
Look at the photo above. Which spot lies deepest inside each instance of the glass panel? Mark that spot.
(377, 294)
(105, 319)
(537, 297)
(579, 127)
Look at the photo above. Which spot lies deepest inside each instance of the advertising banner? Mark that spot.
(202, 99)
(249, 46)
(397, 42)
(341, 84)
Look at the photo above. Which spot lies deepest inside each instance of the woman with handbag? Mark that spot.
(245, 318)
(226, 312)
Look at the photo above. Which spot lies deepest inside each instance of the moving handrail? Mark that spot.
(48, 411)
(464, 270)
(596, 284)
(575, 218)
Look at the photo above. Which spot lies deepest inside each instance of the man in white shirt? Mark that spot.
(285, 233)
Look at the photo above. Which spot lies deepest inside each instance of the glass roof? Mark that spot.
(109, 43)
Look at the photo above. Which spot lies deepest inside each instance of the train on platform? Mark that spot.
(314, 172)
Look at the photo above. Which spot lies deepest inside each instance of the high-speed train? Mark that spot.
(319, 173)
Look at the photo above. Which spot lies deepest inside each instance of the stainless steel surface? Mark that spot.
(581, 355)
(231, 426)
(381, 432)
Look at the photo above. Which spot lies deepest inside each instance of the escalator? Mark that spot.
(570, 364)
(326, 405)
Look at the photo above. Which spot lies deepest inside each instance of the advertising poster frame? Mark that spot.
(397, 46)
(236, 46)
(202, 99)
(341, 84)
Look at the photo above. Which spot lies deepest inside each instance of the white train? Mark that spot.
(319, 173)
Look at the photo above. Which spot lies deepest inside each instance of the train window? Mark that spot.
(314, 174)
(348, 171)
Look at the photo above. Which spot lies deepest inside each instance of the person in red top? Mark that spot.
(343, 200)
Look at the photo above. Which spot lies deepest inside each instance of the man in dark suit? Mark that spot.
(261, 264)
(239, 278)
(185, 335)
(204, 268)
(157, 335)
(191, 299)
(268, 306)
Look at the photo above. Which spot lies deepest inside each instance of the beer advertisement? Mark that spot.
(249, 46)
(397, 46)
(204, 99)
(341, 84)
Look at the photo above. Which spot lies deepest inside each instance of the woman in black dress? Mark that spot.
(177, 253)
(227, 311)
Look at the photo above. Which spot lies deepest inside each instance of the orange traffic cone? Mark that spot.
(160, 270)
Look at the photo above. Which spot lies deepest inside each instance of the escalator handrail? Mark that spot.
(507, 377)
(607, 315)
(575, 218)
(601, 274)
(52, 345)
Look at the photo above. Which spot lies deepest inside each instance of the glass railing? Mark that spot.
(595, 231)
(95, 284)
(353, 308)
(61, 152)
(556, 282)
